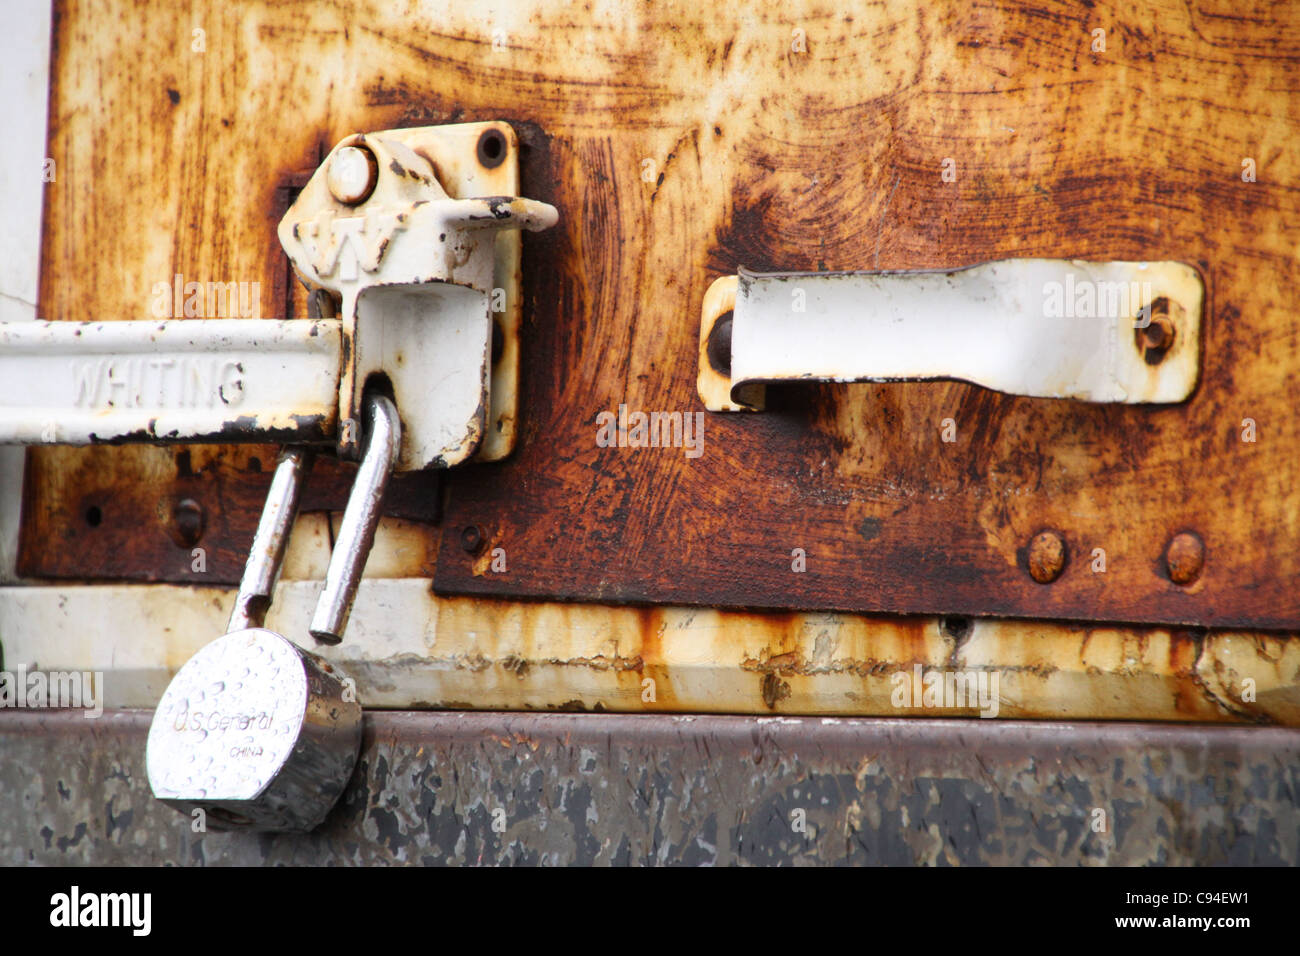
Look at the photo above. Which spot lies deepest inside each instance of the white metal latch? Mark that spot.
(418, 276)
(1123, 332)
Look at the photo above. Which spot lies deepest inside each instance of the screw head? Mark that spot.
(352, 174)
(1185, 557)
(1047, 556)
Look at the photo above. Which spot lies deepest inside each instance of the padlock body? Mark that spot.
(257, 733)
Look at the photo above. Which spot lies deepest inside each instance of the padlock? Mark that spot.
(255, 731)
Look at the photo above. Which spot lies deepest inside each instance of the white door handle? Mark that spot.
(1122, 332)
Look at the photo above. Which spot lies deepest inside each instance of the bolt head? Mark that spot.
(352, 174)
(1185, 558)
(1046, 556)
(471, 539)
(1156, 337)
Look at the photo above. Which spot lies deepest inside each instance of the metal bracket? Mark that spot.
(1122, 332)
(421, 278)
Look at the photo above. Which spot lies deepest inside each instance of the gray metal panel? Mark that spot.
(622, 789)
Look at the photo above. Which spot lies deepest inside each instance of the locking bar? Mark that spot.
(1120, 332)
(196, 380)
(424, 281)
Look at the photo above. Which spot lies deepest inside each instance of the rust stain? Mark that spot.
(773, 690)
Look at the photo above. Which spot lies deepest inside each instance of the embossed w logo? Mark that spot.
(348, 242)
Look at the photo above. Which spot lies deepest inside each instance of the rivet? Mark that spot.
(718, 346)
(1185, 557)
(352, 174)
(188, 517)
(1047, 557)
(471, 539)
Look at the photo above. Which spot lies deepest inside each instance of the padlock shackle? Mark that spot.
(271, 539)
(356, 533)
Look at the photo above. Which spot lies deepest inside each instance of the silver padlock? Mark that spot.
(253, 730)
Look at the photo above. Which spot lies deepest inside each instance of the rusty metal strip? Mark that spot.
(494, 788)
(203, 496)
(408, 648)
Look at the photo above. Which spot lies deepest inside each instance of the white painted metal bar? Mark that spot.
(168, 381)
(1047, 328)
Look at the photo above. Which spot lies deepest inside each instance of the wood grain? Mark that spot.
(763, 157)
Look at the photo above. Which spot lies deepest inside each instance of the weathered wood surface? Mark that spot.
(680, 145)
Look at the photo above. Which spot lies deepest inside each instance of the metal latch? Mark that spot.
(415, 277)
(1123, 332)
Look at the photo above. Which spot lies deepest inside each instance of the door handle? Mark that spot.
(1115, 332)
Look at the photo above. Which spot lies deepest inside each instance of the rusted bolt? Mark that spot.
(491, 148)
(1185, 557)
(352, 175)
(471, 539)
(188, 519)
(1156, 337)
(1047, 557)
(718, 347)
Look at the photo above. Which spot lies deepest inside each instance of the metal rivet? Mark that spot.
(188, 517)
(1047, 557)
(1185, 557)
(718, 346)
(471, 539)
(352, 174)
